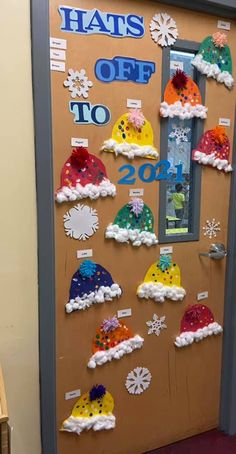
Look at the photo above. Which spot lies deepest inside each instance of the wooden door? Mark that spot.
(183, 396)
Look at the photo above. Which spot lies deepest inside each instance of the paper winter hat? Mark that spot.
(83, 175)
(196, 324)
(162, 280)
(93, 410)
(213, 149)
(112, 341)
(132, 136)
(89, 285)
(214, 59)
(182, 98)
(134, 223)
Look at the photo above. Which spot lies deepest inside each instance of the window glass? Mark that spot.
(180, 133)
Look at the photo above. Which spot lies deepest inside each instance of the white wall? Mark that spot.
(18, 257)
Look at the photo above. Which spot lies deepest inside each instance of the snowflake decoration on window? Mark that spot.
(156, 325)
(138, 380)
(81, 222)
(211, 228)
(179, 134)
(163, 29)
(78, 83)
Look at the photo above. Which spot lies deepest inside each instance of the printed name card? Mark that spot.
(223, 25)
(176, 65)
(124, 313)
(72, 394)
(202, 295)
(84, 253)
(224, 121)
(58, 43)
(57, 66)
(166, 250)
(134, 103)
(57, 54)
(136, 192)
(79, 142)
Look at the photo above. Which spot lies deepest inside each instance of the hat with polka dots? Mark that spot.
(197, 324)
(162, 281)
(134, 223)
(213, 149)
(83, 175)
(214, 59)
(132, 136)
(89, 285)
(93, 410)
(113, 339)
(182, 98)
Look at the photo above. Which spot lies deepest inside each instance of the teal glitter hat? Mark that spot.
(214, 59)
(134, 223)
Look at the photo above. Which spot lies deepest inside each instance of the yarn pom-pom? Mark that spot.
(219, 39)
(165, 262)
(136, 118)
(79, 157)
(110, 324)
(219, 134)
(87, 268)
(179, 79)
(136, 206)
(97, 392)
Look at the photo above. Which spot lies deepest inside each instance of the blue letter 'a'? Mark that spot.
(72, 19)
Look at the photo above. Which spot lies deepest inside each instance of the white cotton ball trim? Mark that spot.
(136, 237)
(189, 337)
(125, 347)
(130, 150)
(220, 164)
(183, 112)
(77, 425)
(159, 292)
(92, 191)
(213, 70)
(100, 295)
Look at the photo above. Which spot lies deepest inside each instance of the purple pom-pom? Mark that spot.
(110, 324)
(136, 206)
(97, 392)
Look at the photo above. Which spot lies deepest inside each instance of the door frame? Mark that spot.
(45, 224)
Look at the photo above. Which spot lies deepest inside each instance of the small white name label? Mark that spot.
(124, 313)
(202, 295)
(57, 54)
(79, 142)
(135, 103)
(166, 250)
(223, 25)
(57, 66)
(176, 65)
(58, 43)
(84, 253)
(135, 192)
(72, 394)
(224, 121)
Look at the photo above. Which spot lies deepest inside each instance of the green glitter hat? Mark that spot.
(214, 59)
(134, 223)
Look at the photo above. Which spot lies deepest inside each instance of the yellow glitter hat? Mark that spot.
(93, 410)
(132, 136)
(162, 280)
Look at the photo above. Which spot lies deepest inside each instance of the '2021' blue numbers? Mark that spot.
(149, 173)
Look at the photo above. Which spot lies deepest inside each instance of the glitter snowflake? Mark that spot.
(138, 380)
(78, 83)
(180, 134)
(81, 222)
(156, 325)
(163, 29)
(211, 228)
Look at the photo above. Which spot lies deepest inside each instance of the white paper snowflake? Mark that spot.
(156, 325)
(138, 380)
(78, 83)
(180, 134)
(211, 228)
(81, 222)
(163, 29)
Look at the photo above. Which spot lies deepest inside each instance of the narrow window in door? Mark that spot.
(180, 196)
